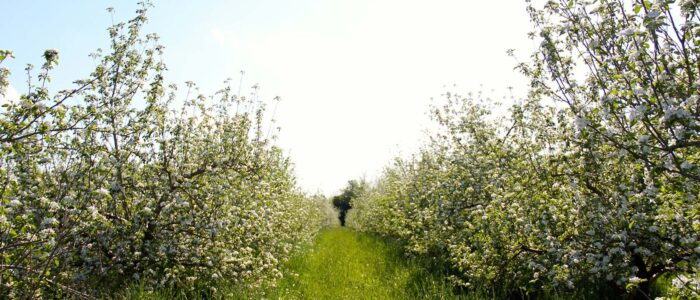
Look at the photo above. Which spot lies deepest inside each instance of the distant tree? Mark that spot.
(343, 202)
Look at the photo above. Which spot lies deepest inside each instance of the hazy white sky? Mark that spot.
(355, 77)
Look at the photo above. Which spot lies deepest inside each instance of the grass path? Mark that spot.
(344, 264)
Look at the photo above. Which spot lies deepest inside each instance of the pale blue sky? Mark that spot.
(356, 77)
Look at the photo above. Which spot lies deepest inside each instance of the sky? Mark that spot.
(356, 78)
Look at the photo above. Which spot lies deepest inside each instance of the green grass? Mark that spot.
(344, 264)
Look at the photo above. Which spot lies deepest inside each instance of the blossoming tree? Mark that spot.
(592, 180)
(97, 191)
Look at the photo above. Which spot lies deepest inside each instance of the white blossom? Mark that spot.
(49, 221)
(686, 165)
(627, 32)
(102, 191)
(53, 206)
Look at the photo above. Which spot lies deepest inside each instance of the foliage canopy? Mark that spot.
(593, 179)
(96, 192)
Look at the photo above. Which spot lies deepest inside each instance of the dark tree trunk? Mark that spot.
(643, 292)
(341, 217)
